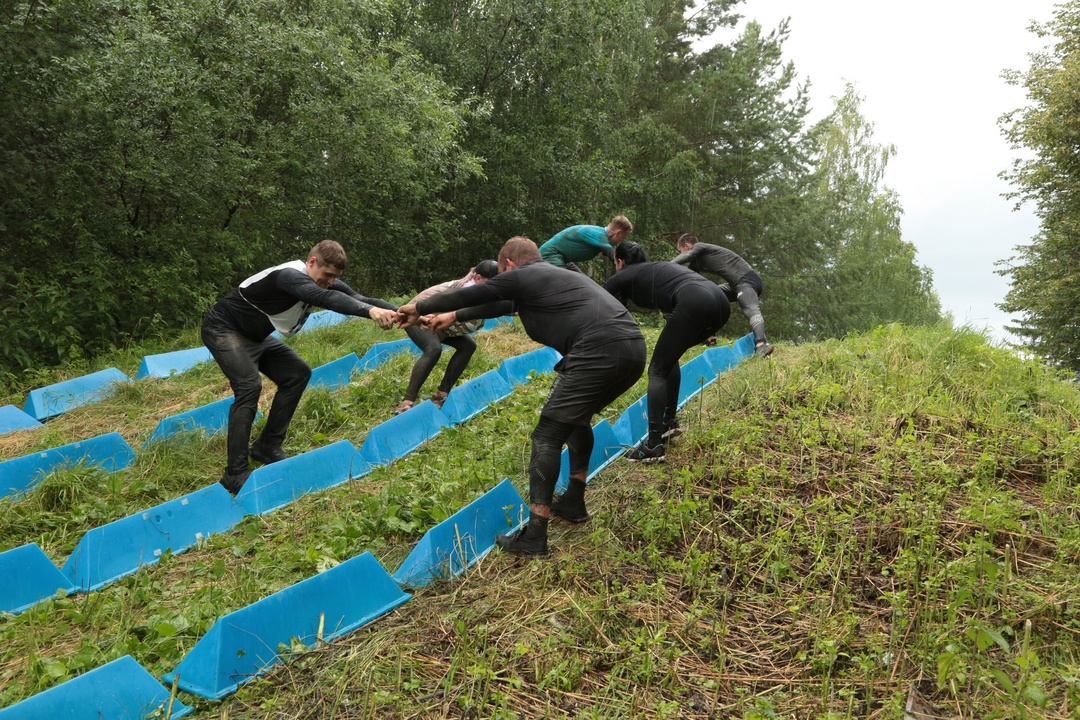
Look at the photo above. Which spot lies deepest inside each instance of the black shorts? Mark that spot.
(589, 381)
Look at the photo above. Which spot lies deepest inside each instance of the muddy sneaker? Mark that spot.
(671, 429)
(518, 544)
(233, 483)
(764, 350)
(571, 510)
(643, 453)
(265, 455)
(403, 406)
(439, 398)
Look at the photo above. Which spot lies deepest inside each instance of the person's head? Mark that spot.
(326, 262)
(629, 253)
(485, 270)
(517, 251)
(619, 229)
(685, 242)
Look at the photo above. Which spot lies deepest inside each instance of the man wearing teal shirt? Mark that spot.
(584, 242)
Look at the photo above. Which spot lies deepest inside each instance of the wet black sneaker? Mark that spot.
(764, 350)
(233, 483)
(518, 544)
(265, 456)
(571, 510)
(643, 453)
(672, 430)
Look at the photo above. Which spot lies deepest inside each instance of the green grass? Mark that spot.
(842, 524)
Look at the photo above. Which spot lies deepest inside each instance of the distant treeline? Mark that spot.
(152, 154)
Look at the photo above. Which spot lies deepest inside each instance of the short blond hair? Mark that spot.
(329, 252)
(621, 222)
(520, 249)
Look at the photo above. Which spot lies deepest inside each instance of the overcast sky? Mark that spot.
(930, 76)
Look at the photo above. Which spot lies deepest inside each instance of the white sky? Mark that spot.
(930, 76)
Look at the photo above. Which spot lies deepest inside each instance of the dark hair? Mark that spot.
(630, 253)
(686, 239)
(486, 269)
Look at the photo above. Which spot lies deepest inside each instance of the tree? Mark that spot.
(1045, 275)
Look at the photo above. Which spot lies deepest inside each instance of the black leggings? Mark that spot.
(548, 439)
(430, 351)
(700, 311)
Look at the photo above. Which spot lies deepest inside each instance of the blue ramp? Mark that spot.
(28, 576)
(334, 374)
(172, 363)
(633, 425)
(119, 548)
(210, 419)
(379, 353)
(606, 447)
(119, 690)
(278, 484)
(324, 318)
(455, 544)
(110, 451)
(744, 346)
(60, 397)
(12, 418)
(722, 358)
(516, 369)
(470, 398)
(492, 323)
(247, 643)
(401, 434)
(696, 374)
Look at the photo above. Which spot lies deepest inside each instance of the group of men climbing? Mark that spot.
(602, 348)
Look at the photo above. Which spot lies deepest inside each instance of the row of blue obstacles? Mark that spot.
(248, 642)
(52, 400)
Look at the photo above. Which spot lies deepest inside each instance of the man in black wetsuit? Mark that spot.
(237, 331)
(744, 285)
(603, 356)
(697, 309)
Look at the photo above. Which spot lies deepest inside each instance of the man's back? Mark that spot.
(716, 260)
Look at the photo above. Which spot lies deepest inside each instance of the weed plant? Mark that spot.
(843, 527)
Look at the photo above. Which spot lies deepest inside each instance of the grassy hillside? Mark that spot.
(842, 525)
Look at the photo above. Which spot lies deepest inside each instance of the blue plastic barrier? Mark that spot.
(273, 486)
(379, 353)
(172, 363)
(324, 318)
(633, 425)
(470, 398)
(401, 434)
(110, 552)
(248, 642)
(335, 374)
(58, 398)
(110, 451)
(744, 346)
(458, 542)
(12, 418)
(722, 359)
(27, 577)
(697, 374)
(606, 447)
(119, 690)
(211, 419)
(516, 369)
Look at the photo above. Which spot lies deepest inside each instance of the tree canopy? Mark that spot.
(1045, 274)
(154, 154)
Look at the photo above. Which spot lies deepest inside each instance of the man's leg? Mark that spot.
(237, 357)
(749, 303)
(571, 504)
(290, 373)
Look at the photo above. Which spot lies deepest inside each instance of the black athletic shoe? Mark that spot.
(643, 453)
(671, 430)
(233, 483)
(764, 350)
(264, 455)
(571, 510)
(518, 544)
